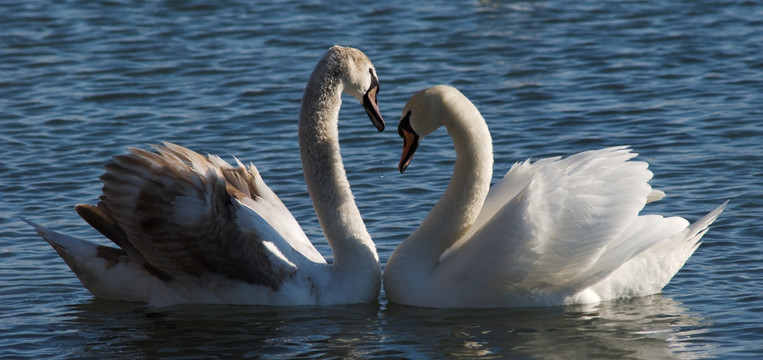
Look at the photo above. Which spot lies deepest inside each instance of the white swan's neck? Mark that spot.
(459, 206)
(354, 251)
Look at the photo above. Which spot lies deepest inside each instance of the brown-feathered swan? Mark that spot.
(194, 229)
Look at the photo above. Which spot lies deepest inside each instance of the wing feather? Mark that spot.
(562, 224)
(187, 214)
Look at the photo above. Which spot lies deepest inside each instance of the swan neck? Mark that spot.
(462, 201)
(325, 176)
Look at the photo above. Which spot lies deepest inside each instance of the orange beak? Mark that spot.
(410, 142)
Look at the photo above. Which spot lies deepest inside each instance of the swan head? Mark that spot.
(359, 79)
(425, 112)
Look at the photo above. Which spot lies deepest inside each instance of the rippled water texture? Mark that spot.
(680, 81)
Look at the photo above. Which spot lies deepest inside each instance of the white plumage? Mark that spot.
(551, 232)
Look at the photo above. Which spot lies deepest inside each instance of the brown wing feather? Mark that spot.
(107, 226)
(176, 209)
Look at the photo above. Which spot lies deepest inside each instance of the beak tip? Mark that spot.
(402, 167)
(372, 109)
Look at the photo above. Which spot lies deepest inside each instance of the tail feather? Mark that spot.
(688, 241)
(699, 227)
(68, 247)
(76, 252)
(651, 270)
(107, 272)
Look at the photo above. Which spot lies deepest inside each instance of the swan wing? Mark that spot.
(186, 214)
(562, 224)
(649, 271)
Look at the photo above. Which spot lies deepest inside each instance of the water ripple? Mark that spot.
(680, 82)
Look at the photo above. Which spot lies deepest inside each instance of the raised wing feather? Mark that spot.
(562, 224)
(186, 214)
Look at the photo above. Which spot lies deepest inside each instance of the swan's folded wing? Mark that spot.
(570, 213)
(187, 214)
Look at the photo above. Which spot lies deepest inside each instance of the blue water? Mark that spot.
(680, 81)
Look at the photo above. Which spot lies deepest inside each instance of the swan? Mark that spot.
(557, 231)
(195, 229)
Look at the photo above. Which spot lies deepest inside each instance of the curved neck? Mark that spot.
(324, 173)
(459, 206)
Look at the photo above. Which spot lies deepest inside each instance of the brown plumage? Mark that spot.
(139, 212)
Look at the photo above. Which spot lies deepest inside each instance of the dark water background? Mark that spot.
(680, 81)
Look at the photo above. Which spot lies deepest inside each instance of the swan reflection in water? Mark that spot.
(649, 327)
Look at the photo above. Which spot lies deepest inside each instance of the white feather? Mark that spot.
(551, 232)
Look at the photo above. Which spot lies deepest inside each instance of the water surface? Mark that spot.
(681, 82)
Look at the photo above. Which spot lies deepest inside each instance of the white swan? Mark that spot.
(556, 231)
(194, 229)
